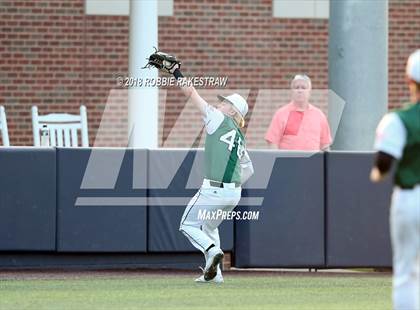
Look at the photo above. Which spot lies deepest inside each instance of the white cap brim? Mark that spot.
(221, 98)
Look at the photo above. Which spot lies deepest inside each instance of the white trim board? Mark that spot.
(301, 8)
(122, 7)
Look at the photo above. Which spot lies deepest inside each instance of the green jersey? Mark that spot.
(224, 148)
(408, 170)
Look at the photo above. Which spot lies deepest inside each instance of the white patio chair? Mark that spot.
(3, 127)
(63, 128)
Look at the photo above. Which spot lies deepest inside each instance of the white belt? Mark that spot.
(207, 183)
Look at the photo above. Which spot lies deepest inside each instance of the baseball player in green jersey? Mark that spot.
(398, 139)
(227, 167)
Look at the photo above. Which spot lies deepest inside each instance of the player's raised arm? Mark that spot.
(169, 64)
(191, 93)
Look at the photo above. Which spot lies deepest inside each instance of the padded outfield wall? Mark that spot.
(121, 207)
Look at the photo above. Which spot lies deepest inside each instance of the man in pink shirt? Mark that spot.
(299, 125)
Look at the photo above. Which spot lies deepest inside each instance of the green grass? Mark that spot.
(179, 292)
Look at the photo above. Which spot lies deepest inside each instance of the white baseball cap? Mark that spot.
(238, 102)
(413, 66)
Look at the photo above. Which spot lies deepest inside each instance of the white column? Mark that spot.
(358, 69)
(142, 101)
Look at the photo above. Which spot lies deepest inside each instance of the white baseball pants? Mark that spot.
(202, 233)
(405, 238)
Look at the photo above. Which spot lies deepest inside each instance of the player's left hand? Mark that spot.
(163, 62)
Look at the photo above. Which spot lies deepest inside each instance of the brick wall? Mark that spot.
(404, 38)
(54, 56)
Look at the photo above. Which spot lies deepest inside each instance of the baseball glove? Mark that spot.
(163, 62)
